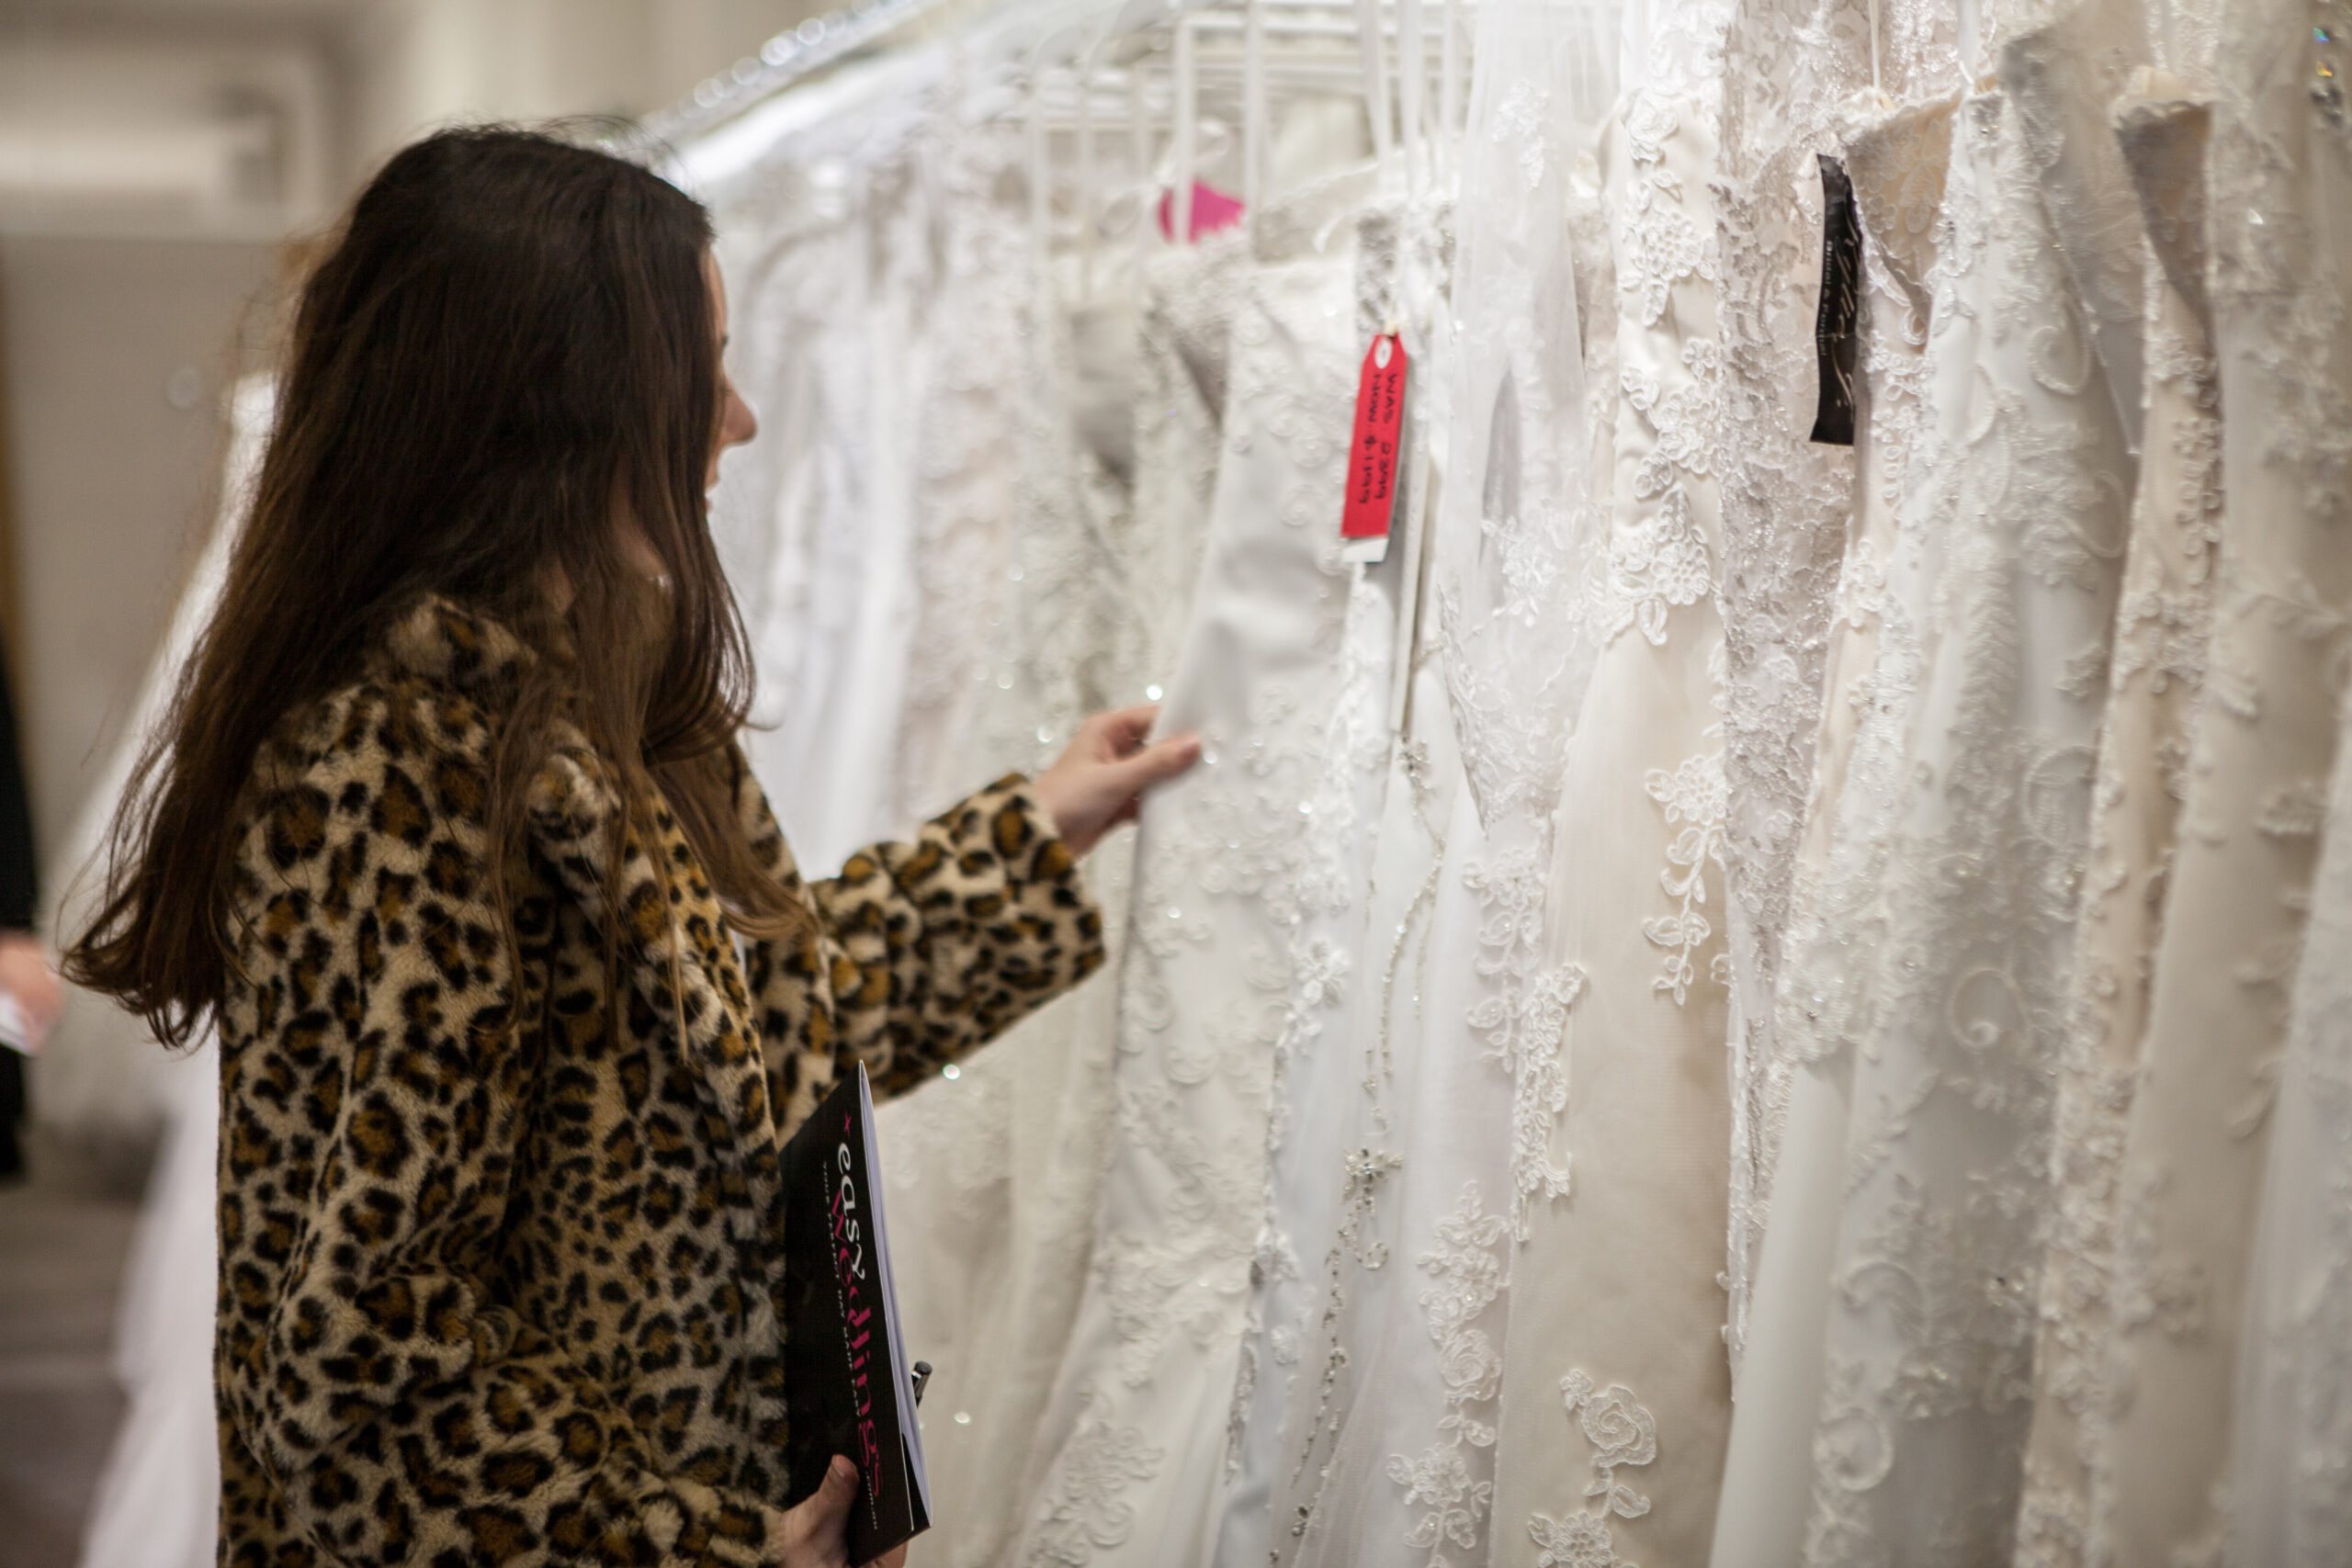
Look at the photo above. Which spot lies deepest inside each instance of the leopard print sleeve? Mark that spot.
(924, 949)
(382, 1398)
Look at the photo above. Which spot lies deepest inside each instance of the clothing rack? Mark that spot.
(801, 52)
(782, 60)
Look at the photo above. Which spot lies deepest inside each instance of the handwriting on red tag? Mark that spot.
(1372, 451)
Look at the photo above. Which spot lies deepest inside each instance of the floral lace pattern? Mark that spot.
(2204, 1117)
(1792, 66)
(1524, 1016)
(1467, 1272)
(2164, 625)
(1621, 1433)
(1930, 1340)
(1085, 1512)
(1692, 798)
(1637, 915)
(1516, 532)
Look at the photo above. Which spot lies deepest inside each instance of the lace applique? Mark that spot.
(1660, 246)
(1621, 1433)
(1660, 563)
(1467, 1272)
(1083, 1512)
(1693, 797)
(1524, 1018)
(1518, 120)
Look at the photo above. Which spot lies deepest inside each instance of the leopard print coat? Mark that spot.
(499, 1285)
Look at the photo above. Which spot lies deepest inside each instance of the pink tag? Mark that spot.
(1212, 210)
(1372, 450)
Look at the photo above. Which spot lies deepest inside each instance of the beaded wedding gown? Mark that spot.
(1389, 1444)
(1322, 1068)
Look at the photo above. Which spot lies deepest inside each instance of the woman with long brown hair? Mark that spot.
(517, 991)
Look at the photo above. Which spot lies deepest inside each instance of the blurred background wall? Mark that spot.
(161, 164)
(155, 158)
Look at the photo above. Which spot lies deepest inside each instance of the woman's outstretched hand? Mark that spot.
(816, 1534)
(1095, 784)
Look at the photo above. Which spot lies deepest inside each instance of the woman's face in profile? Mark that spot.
(736, 422)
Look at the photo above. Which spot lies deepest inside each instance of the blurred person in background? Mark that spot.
(26, 980)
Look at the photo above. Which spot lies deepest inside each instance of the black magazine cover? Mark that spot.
(847, 1382)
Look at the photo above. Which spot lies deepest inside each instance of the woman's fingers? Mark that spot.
(1123, 728)
(1095, 782)
(816, 1534)
(1155, 763)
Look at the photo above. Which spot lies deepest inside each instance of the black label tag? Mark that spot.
(1834, 337)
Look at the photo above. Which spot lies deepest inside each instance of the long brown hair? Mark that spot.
(508, 349)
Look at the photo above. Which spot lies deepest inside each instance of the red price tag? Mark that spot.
(1372, 450)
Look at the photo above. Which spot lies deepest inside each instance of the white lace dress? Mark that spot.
(2165, 624)
(995, 1174)
(2284, 314)
(2291, 1481)
(1927, 1369)
(975, 313)
(1791, 67)
(1392, 1438)
(1898, 159)
(1136, 1432)
(2249, 841)
(1616, 1393)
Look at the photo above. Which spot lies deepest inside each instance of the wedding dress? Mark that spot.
(1616, 1393)
(2283, 300)
(827, 279)
(1898, 159)
(2155, 683)
(1785, 501)
(1365, 1367)
(2291, 1481)
(1791, 69)
(1319, 1067)
(1392, 1443)
(1137, 1426)
(995, 1173)
(2257, 787)
(967, 481)
(1927, 1376)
